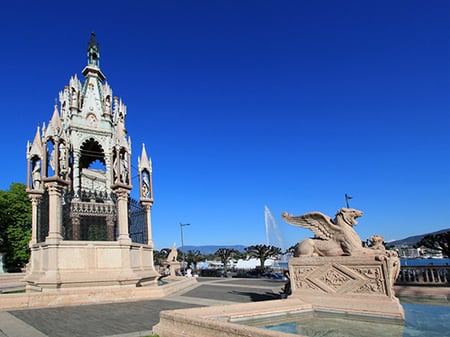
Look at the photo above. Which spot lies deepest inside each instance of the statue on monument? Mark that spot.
(121, 168)
(124, 168)
(145, 186)
(62, 160)
(332, 237)
(74, 98)
(53, 159)
(36, 175)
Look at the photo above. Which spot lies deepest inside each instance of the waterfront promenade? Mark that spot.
(136, 319)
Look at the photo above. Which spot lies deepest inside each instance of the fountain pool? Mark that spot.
(420, 320)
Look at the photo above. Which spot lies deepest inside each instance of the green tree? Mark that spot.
(209, 257)
(263, 252)
(225, 255)
(291, 250)
(193, 256)
(159, 256)
(15, 226)
(439, 242)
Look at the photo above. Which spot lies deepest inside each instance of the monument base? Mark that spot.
(82, 264)
(174, 267)
(360, 285)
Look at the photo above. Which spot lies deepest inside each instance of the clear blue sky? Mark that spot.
(241, 104)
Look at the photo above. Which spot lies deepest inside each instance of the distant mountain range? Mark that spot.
(412, 240)
(212, 249)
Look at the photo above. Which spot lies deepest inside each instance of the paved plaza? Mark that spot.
(136, 319)
(131, 319)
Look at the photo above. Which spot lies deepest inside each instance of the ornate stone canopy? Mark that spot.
(79, 181)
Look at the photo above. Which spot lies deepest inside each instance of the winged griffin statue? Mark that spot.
(331, 237)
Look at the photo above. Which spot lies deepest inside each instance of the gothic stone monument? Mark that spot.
(334, 271)
(86, 230)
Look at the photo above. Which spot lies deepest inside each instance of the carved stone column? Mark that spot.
(29, 179)
(56, 154)
(35, 197)
(55, 187)
(51, 277)
(109, 170)
(76, 173)
(122, 192)
(127, 157)
(147, 204)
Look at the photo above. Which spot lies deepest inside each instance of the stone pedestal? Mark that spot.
(81, 264)
(174, 266)
(359, 285)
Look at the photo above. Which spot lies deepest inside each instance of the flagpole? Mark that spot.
(347, 198)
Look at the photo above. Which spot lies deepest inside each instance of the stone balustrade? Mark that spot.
(426, 275)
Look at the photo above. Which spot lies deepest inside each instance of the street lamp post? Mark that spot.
(182, 242)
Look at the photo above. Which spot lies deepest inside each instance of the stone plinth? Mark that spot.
(92, 295)
(174, 266)
(360, 285)
(74, 264)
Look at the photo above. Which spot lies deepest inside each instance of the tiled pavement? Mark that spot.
(131, 319)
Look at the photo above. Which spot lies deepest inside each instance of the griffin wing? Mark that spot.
(319, 223)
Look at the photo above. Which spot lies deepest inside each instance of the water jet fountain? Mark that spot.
(273, 233)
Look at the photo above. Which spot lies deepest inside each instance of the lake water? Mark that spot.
(404, 262)
(424, 262)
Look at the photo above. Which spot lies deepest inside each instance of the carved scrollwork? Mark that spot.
(334, 278)
(374, 287)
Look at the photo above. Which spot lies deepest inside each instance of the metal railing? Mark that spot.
(424, 275)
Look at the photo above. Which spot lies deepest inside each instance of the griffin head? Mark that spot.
(350, 215)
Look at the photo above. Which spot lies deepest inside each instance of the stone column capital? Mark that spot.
(119, 187)
(55, 184)
(35, 195)
(147, 204)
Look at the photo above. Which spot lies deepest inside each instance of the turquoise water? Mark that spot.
(422, 320)
(426, 320)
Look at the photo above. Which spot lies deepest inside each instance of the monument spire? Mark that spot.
(93, 60)
(93, 52)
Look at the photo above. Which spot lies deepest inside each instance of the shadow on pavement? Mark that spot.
(257, 297)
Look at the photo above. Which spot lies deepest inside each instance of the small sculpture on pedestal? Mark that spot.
(171, 261)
